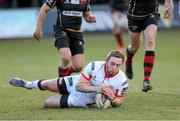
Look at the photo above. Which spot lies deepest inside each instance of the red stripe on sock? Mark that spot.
(149, 59)
(146, 77)
(147, 69)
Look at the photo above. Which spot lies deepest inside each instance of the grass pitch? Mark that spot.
(28, 59)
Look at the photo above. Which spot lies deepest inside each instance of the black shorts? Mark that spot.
(122, 9)
(63, 91)
(72, 40)
(139, 24)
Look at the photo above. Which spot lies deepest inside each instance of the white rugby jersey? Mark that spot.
(96, 74)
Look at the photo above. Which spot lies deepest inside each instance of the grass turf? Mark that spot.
(31, 60)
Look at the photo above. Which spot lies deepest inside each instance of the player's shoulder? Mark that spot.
(99, 62)
(96, 64)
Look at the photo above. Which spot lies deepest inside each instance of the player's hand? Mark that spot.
(38, 34)
(168, 10)
(91, 19)
(108, 92)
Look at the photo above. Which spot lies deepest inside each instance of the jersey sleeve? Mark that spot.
(51, 3)
(87, 71)
(120, 92)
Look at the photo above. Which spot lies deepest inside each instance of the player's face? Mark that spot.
(113, 65)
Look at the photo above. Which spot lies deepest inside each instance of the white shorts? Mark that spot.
(76, 98)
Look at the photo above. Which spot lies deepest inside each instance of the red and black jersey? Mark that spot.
(142, 8)
(69, 12)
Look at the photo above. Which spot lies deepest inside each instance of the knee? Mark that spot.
(77, 68)
(44, 85)
(65, 56)
(65, 59)
(133, 49)
(47, 104)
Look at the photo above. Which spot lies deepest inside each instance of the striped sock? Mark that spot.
(148, 64)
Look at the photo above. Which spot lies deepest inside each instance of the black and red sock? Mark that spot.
(149, 59)
(65, 72)
(119, 40)
(129, 57)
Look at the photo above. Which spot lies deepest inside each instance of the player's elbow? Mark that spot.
(78, 87)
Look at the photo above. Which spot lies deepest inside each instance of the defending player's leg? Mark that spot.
(65, 68)
(128, 65)
(149, 57)
(116, 17)
(146, 86)
(120, 42)
(148, 66)
(131, 50)
(77, 62)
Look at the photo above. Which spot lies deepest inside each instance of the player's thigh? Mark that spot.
(151, 27)
(57, 101)
(50, 85)
(150, 32)
(53, 102)
(150, 37)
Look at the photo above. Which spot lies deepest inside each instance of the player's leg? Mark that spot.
(77, 50)
(149, 57)
(57, 101)
(131, 50)
(62, 44)
(50, 84)
(65, 63)
(135, 32)
(117, 29)
(65, 85)
(57, 85)
(78, 62)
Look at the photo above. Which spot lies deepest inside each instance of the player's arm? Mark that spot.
(87, 14)
(169, 6)
(84, 85)
(41, 17)
(89, 17)
(115, 100)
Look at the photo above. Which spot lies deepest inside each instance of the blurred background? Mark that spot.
(18, 18)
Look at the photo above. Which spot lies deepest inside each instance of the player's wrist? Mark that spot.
(97, 89)
(113, 100)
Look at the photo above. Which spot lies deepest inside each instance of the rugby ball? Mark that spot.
(102, 101)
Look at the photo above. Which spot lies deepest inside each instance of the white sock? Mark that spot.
(33, 84)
